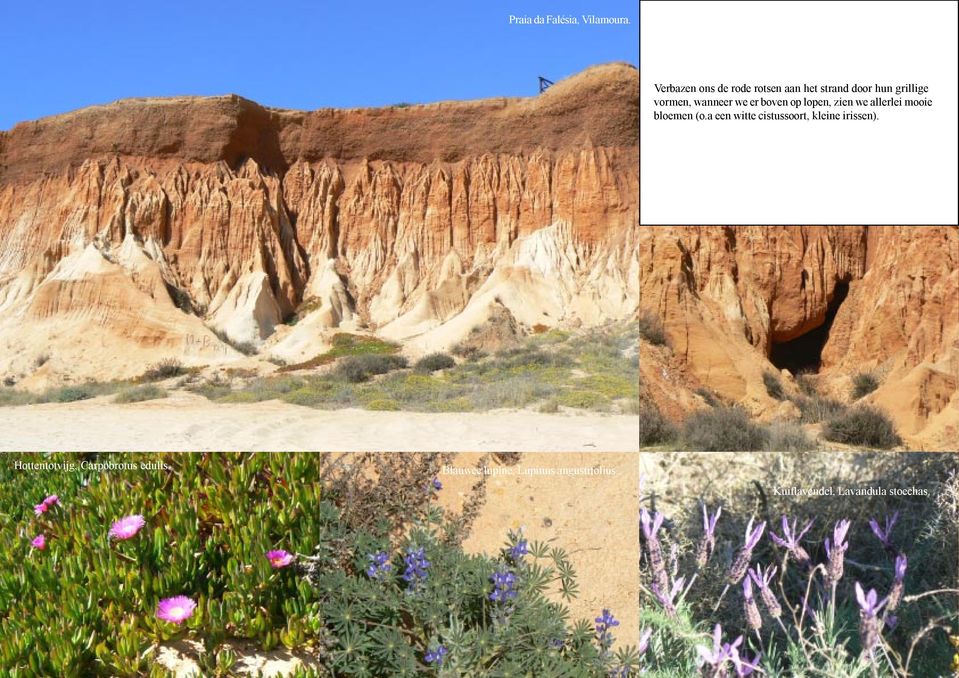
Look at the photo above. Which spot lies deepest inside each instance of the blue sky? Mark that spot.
(57, 56)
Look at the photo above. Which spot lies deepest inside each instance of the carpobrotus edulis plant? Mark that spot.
(119, 563)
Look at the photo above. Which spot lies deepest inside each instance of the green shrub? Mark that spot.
(165, 369)
(136, 394)
(651, 328)
(355, 369)
(788, 437)
(344, 345)
(382, 404)
(14, 397)
(69, 394)
(395, 585)
(529, 357)
(863, 384)
(862, 425)
(516, 390)
(818, 408)
(549, 407)
(806, 381)
(722, 429)
(583, 400)
(610, 385)
(654, 428)
(711, 398)
(434, 362)
(468, 352)
(773, 385)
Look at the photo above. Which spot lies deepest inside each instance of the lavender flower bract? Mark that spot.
(708, 542)
(753, 619)
(869, 608)
(741, 562)
(790, 539)
(884, 534)
(744, 666)
(898, 585)
(657, 564)
(716, 658)
(644, 641)
(836, 551)
(667, 598)
(762, 580)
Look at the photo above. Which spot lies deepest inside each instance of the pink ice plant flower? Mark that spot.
(39, 542)
(279, 559)
(45, 505)
(176, 609)
(127, 528)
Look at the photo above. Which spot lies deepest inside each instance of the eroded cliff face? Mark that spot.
(142, 229)
(836, 300)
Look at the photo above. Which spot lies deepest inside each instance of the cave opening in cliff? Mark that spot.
(804, 353)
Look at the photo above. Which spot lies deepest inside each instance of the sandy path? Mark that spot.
(594, 516)
(188, 422)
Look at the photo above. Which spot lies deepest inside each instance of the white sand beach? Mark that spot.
(192, 423)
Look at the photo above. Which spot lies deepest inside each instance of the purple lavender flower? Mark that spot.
(762, 580)
(753, 619)
(836, 551)
(667, 598)
(885, 533)
(745, 667)
(895, 593)
(644, 641)
(708, 542)
(435, 485)
(437, 655)
(790, 539)
(504, 583)
(741, 562)
(657, 564)
(869, 625)
(604, 623)
(518, 550)
(720, 653)
(380, 566)
(417, 567)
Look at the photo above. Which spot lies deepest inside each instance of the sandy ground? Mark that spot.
(594, 517)
(189, 422)
(179, 658)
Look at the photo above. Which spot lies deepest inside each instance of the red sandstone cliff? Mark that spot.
(130, 230)
(731, 298)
